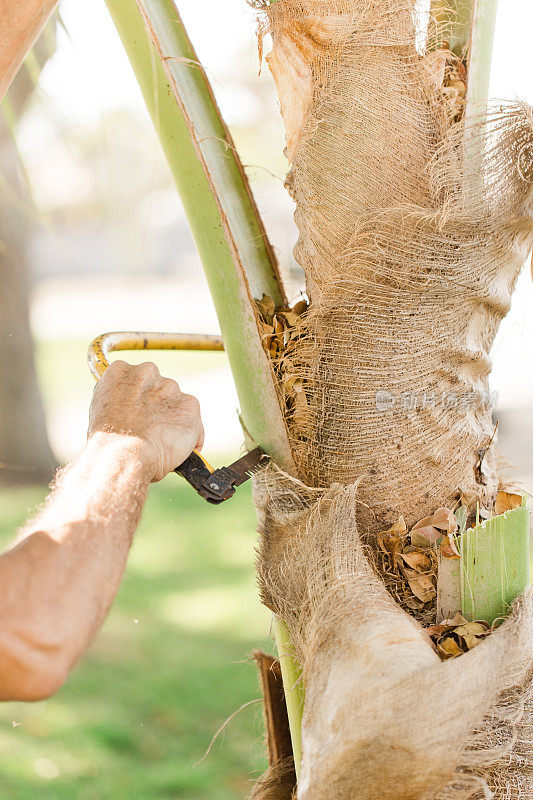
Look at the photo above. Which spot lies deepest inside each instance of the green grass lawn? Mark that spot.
(169, 666)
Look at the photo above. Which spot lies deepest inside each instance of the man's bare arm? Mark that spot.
(60, 577)
(21, 22)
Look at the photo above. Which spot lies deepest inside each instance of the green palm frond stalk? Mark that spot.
(238, 260)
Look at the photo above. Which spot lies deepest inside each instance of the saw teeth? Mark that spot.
(253, 470)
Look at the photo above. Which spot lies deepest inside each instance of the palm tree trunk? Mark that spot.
(25, 453)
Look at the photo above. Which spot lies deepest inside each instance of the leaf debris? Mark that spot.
(409, 568)
(454, 637)
(281, 330)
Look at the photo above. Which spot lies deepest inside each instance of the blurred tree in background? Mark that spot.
(25, 454)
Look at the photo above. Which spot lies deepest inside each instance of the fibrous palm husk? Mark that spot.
(385, 718)
(414, 221)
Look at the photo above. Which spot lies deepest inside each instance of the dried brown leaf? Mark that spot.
(505, 501)
(448, 548)
(435, 631)
(448, 648)
(471, 634)
(299, 307)
(419, 562)
(290, 318)
(443, 520)
(267, 306)
(454, 640)
(399, 527)
(458, 85)
(413, 603)
(289, 382)
(391, 540)
(454, 621)
(423, 537)
(423, 587)
(420, 541)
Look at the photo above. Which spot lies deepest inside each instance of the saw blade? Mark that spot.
(248, 465)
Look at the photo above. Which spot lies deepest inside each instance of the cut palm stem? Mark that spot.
(494, 565)
(472, 32)
(448, 588)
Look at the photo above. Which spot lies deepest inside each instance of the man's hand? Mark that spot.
(135, 401)
(60, 576)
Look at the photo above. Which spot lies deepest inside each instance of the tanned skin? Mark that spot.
(21, 22)
(60, 576)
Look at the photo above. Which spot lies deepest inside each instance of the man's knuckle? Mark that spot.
(170, 385)
(116, 367)
(148, 370)
(191, 403)
(148, 366)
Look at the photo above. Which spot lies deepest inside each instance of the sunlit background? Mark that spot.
(113, 249)
(110, 249)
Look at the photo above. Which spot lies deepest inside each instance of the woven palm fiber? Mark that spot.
(412, 234)
(414, 221)
(384, 718)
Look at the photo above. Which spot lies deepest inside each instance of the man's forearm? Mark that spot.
(21, 22)
(59, 578)
(67, 565)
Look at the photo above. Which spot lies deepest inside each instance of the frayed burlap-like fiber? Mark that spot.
(415, 216)
(277, 783)
(384, 718)
(413, 229)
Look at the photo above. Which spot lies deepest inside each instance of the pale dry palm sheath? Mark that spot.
(413, 227)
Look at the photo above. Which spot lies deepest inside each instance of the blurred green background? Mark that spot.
(169, 667)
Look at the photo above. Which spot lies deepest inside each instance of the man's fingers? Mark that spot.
(190, 404)
(147, 372)
(114, 372)
(169, 388)
(201, 437)
(190, 407)
(117, 366)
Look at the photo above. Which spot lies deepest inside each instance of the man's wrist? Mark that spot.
(129, 451)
